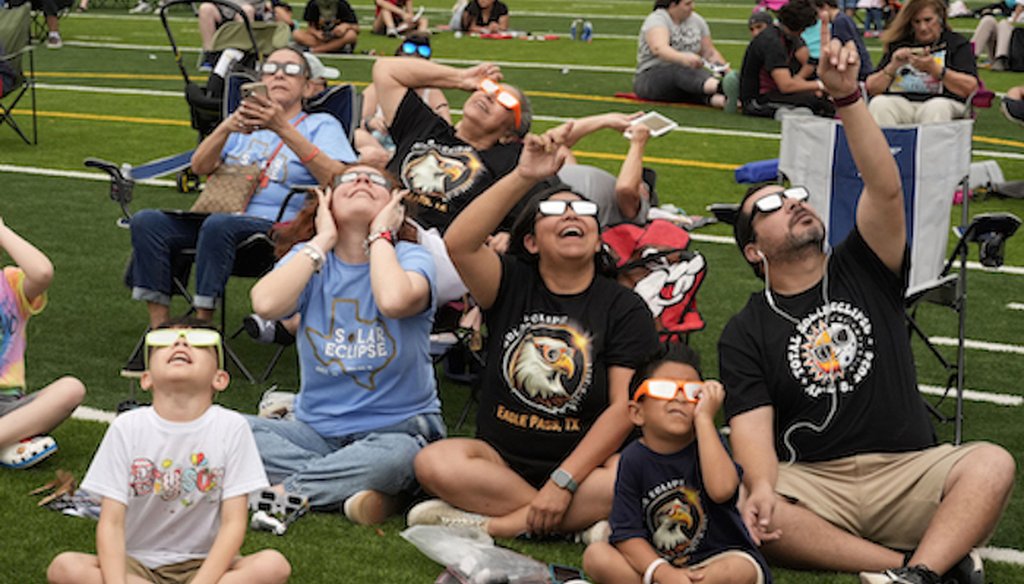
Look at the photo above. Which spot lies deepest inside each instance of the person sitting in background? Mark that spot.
(290, 147)
(212, 16)
(927, 71)
(991, 40)
(319, 74)
(771, 76)
(873, 20)
(759, 21)
(485, 17)
(844, 28)
(372, 139)
(331, 27)
(625, 198)
(24, 419)
(674, 515)
(674, 47)
(394, 17)
(51, 10)
(1013, 104)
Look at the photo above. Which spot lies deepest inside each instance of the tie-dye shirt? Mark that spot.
(15, 310)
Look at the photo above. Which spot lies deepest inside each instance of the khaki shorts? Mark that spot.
(888, 498)
(734, 553)
(180, 573)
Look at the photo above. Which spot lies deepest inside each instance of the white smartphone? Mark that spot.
(655, 122)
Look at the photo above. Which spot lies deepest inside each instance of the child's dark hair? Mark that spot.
(669, 353)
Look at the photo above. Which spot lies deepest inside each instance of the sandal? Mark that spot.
(274, 511)
(63, 484)
(28, 452)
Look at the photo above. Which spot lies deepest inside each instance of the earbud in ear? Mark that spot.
(760, 254)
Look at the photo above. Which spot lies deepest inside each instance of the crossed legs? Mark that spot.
(48, 408)
(974, 494)
(471, 475)
(263, 567)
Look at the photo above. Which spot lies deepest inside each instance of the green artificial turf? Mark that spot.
(90, 325)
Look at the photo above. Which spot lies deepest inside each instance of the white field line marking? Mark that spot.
(93, 415)
(1015, 306)
(979, 345)
(997, 153)
(1005, 555)
(78, 174)
(111, 90)
(992, 397)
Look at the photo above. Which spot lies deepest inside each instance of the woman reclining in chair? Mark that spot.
(289, 146)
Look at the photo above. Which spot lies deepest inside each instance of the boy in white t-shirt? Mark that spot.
(174, 478)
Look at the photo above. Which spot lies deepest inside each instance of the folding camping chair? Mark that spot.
(814, 153)
(14, 82)
(253, 257)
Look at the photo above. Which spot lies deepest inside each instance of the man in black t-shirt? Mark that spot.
(771, 75)
(820, 378)
(331, 27)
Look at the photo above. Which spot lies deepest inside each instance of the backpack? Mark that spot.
(1017, 50)
(653, 261)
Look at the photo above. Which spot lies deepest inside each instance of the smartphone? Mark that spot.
(561, 574)
(253, 88)
(918, 51)
(657, 123)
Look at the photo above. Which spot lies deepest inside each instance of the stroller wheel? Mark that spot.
(188, 181)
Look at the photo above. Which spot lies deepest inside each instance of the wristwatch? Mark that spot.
(564, 480)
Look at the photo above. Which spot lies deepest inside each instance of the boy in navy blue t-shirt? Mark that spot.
(674, 515)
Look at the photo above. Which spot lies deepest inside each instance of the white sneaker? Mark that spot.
(277, 405)
(599, 531)
(28, 452)
(437, 512)
(53, 41)
(141, 8)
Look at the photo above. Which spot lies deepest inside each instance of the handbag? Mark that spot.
(229, 187)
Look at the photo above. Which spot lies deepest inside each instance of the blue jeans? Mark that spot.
(329, 470)
(157, 236)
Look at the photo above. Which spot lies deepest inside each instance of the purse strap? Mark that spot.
(263, 181)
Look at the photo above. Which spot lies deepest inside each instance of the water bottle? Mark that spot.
(573, 28)
(588, 32)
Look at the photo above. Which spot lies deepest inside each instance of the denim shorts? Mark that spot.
(11, 402)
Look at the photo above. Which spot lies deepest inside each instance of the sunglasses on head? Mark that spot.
(289, 69)
(506, 98)
(353, 175)
(667, 389)
(556, 208)
(194, 337)
(411, 48)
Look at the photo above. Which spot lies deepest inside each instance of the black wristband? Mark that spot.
(849, 99)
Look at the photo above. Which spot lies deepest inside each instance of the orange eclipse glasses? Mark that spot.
(506, 98)
(667, 389)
